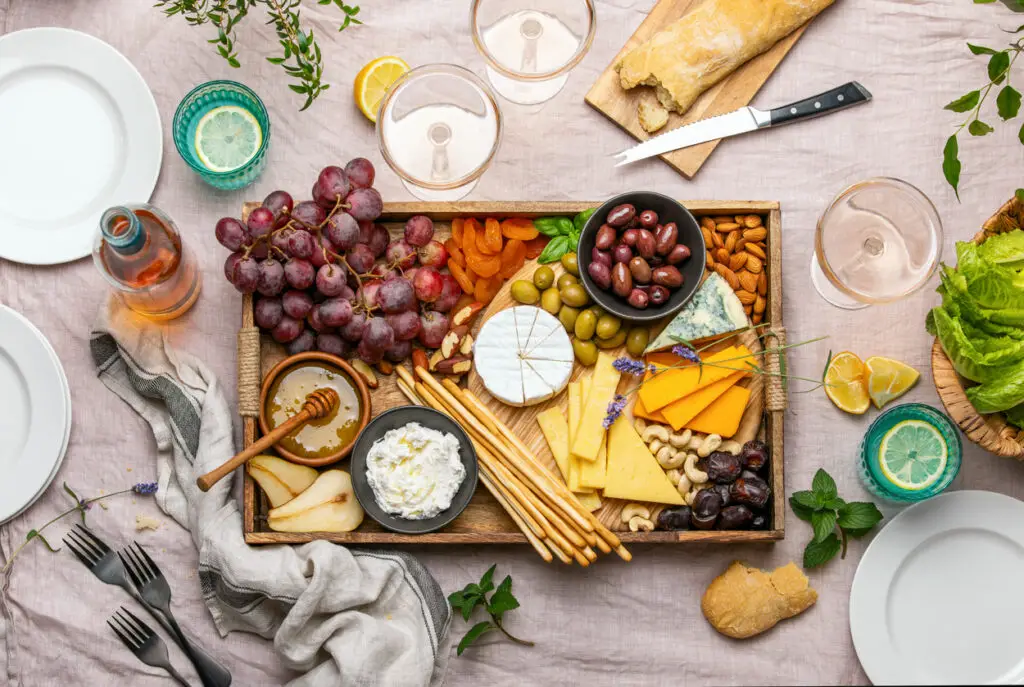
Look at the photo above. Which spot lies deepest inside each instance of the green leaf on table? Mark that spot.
(1008, 102)
(951, 162)
(980, 49)
(857, 533)
(486, 582)
(965, 102)
(824, 524)
(579, 220)
(835, 504)
(1020, 134)
(34, 534)
(502, 600)
(474, 634)
(72, 493)
(997, 66)
(819, 553)
(979, 128)
(983, 2)
(805, 499)
(801, 511)
(824, 484)
(555, 249)
(553, 226)
(858, 515)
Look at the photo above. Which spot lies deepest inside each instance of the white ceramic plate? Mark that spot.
(937, 596)
(79, 132)
(35, 413)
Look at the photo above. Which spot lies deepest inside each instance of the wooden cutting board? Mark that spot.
(733, 92)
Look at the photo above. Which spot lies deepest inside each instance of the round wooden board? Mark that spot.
(523, 421)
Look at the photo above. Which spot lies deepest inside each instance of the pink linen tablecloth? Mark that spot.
(636, 624)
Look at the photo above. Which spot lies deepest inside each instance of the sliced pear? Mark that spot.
(280, 480)
(328, 505)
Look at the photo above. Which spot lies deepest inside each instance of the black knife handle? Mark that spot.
(844, 96)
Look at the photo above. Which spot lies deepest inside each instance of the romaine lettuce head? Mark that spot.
(959, 304)
(975, 354)
(1006, 250)
(989, 284)
(1015, 416)
(999, 395)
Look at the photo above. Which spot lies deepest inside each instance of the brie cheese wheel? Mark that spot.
(523, 356)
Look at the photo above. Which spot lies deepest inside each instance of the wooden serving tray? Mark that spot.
(484, 521)
(735, 91)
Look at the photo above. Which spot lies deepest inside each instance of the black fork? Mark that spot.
(142, 641)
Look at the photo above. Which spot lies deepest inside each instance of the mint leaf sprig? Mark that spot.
(474, 595)
(822, 507)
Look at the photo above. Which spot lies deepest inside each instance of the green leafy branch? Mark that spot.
(474, 595)
(827, 513)
(300, 58)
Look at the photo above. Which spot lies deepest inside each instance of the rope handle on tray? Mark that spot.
(249, 371)
(775, 394)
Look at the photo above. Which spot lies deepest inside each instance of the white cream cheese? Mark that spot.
(415, 471)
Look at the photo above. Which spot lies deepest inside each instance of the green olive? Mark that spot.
(613, 342)
(598, 311)
(544, 277)
(567, 316)
(636, 341)
(570, 263)
(574, 295)
(586, 351)
(585, 325)
(566, 280)
(525, 292)
(551, 301)
(608, 326)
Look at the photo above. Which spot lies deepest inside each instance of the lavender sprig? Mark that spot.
(686, 352)
(80, 507)
(615, 409)
(631, 367)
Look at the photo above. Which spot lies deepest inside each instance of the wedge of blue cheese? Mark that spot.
(712, 311)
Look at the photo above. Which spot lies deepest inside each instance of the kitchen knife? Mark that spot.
(744, 120)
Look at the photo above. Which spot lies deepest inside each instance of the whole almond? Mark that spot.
(728, 275)
(759, 304)
(746, 298)
(751, 221)
(721, 219)
(707, 223)
(711, 259)
(722, 256)
(740, 219)
(738, 261)
(730, 241)
(706, 233)
(736, 236)
(740, 245)
(749, 309)
(754, 264)
(754, 249)
(762, 284)
(758, 234)
(726, 227)
(757, 317)
(748, 281)
(717, 241)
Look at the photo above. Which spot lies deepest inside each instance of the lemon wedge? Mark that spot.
(373, 81)
(888, 379)
(845, 383)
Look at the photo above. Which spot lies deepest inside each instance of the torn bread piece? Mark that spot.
(652, 115)
(743, 601)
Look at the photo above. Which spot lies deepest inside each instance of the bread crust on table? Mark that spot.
(708, 44)
(743, 602)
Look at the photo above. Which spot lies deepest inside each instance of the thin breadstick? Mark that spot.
(513, 513)
(624, 553)
(460, 394)
(406, 376)
(510, 498)
(558, 552)
(589, 553)
(602, 546)
(409, 393)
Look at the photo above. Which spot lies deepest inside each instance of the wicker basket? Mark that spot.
(991, 432)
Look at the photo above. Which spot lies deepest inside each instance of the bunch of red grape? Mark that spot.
(330, 278)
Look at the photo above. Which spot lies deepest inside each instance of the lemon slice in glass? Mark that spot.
(913, 455)
(227, 137)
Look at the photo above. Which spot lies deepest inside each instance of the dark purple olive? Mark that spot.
(622, 280)
(606, 236)
(760, 522)
(648, 219)
(645, 244)
(640, 270)
(620, 215)
(678, 253)
(723, 492)
(622, 253)
(656, 262)
(659, 295)
(666, 238)
(735, 518)
(751, 491)
(754, 455)
(705, 522)
(639, 299)
(601, 275)
(630, 236)
(723, 467)
(667, 275)
(707, 502)
(677, 518)
(601, 256)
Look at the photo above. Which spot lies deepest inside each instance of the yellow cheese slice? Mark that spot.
(603, 383)
(556, 433)
(678, 413)
(590, 501)
(576, 394)
(593, 472)
(633, 473)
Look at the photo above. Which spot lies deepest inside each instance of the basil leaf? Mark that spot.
(824, 485)
(1008, 102)
(951, 162)
(859, 515)
(980, 49)
(555, 249)
(979, 128)
(579, 220)
(819, 553)
(574, 239)
(965, 102)
(553, 226)
(998, 65)
(824, 524)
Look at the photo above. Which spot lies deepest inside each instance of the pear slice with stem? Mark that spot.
(280, 480)
(328, 505)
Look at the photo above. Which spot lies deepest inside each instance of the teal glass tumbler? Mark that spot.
(870, 468)
(201, 100)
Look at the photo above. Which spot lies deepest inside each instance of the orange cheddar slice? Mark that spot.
(723, 416)
(640, 411)
(678, 413)
(676, 383)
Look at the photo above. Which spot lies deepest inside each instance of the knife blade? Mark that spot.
(746, 119)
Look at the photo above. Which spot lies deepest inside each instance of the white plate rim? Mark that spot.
(57, 458)
(919, 523)
(145, 150)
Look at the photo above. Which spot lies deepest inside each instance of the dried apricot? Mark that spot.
(487, 289)
(452, 246)
(492, 235)
(484, 265)
(519, 228)
(512, 258)
(535, 246)
(473, 276)
(460, 276)
(470, 228)
(457, 225)
(482, 246)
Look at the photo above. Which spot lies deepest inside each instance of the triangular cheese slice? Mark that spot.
(633, 473)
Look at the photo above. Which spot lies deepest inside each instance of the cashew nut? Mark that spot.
(655, 446)
(639, 425)
(638, 524)
(633, 510)
(695, 441)
(711, 443)
(655, 432)
(730, 446)
(684, 485)
(690, 470)
(674, 475)
(680, 440)
(668, 457)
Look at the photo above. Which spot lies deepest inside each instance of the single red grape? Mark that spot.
(309, 214)
(279, 239)
(330, 280)
(378, 334)
(322, 252)
(369, 355)
(333, 344)
(396, 295)
(369, 293)
(260, 222)
(428, 284)
(306, 341)
(299, 273)
(271, 279)
(288, 329)
(360, 172)
(379, 238)
(268, 312)
(330, 187)
(360, 258)
(259, 249)
(365, 204)
(335, 312)
(246, 275)
(450, 292)
(406, 325)
(399, 351)
(434, 254)
(280, 203)
(353, 331)
(296, 303)
(229, 266)
(419, 230)
(342, 230)
(400, 254)
(365, 232)
(231, 234)
(314, 320)
(433, 327)
(300, 244)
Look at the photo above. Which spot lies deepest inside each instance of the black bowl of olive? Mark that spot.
(641, 256)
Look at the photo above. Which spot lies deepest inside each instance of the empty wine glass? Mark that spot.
(531, 45)
(439, 128)
(880, 240)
